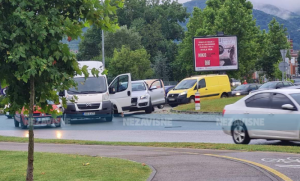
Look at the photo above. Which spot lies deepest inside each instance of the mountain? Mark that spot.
(273, 10)
(292, 21)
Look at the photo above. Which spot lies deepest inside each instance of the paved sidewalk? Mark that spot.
(187, 164)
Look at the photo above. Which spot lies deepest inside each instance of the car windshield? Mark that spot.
(296, 97)
(89, 86)
(269, 85)
(186, 84)
(241, 87)
(138, 86)
(50, 102)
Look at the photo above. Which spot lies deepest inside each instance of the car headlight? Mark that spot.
(183, 93)
(238, 94)
(144, 97)
(105, 97)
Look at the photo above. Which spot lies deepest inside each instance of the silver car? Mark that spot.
(270, 114)
(145, 97)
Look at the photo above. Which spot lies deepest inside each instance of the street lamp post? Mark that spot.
(103, 57)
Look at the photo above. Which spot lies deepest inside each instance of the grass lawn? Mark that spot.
(213, 105)
(217, 146)
(54, 167)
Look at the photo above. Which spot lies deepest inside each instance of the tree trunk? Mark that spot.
(31, 135)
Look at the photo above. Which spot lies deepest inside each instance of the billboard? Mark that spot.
(215, 53)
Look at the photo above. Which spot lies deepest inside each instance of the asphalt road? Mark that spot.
(189, 164)
(118, 130)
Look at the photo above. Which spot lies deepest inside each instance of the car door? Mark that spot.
(120, 92)
(257, 114)
(284, 123)
(202, 88)
(157, 92)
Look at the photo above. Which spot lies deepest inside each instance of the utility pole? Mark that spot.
(103, 57)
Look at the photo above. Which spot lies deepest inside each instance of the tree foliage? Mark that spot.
(89, 46)
(122, 36)
(33, 60)
(137, 62)
(275, 41)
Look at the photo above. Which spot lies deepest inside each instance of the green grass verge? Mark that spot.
(269, 148)
(53, 167)
(213, 105)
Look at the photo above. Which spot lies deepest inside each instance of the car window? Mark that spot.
(253, 87)
(157, 83)
(268, 85)
(287, 84)
(278, 100)
(261, 100)
(279, 85)
(201, 84)
(296, 97)
(121, 83)
(139, 86)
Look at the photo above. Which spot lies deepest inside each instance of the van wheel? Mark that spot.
(160, 106)
(224, 95)
(239, 133)
(17, 124)
(173, 105)
(192, 99)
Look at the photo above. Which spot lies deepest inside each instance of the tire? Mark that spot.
(149, 109)
(22, 124)
(111, 117)
(160, 106)
(192, 99)
(285, 141)
(173, 105)
(17, 124)
(58, 125)
(224, 95)
(239, 133)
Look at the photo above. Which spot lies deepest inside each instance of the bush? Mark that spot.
(1, 102)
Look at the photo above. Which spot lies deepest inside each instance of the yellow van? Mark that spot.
(209, 86)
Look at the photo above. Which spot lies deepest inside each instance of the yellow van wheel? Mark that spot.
(224, 95)
(192, 99)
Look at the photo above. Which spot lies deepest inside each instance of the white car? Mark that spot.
(145, 98)
(270, 114)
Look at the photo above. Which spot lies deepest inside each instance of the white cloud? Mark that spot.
(291, 5)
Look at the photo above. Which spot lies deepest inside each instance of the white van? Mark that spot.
(95, 99)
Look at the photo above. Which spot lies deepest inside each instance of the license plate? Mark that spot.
(171, 99)
(89, 113)
(133, 104)
(43, 119)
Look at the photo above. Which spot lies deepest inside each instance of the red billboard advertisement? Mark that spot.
(215, 53)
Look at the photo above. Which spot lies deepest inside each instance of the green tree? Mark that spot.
(276, 40)
(161, 67)
(33, 60)
(122, 36)
(184, 63)
(137, 62)
(233, 17)
(89, 46)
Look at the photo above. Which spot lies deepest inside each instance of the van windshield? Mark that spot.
(186, 84)
(89, 86)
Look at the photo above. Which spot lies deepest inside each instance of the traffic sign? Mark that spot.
(3, 91)
(283, 54)
(283, 66)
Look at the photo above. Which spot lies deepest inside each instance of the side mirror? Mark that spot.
(288, 107)
(112, 90)
(61, 93)
(153, 87)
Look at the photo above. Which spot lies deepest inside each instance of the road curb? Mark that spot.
(153, 173)
(194, 112)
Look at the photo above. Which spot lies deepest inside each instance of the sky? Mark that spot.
(291, 5)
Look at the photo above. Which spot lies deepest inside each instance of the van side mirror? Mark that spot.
(112, 90)
(61, 93)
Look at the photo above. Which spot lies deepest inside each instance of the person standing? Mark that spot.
(245, 82)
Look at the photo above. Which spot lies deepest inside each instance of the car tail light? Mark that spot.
(223, 112)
